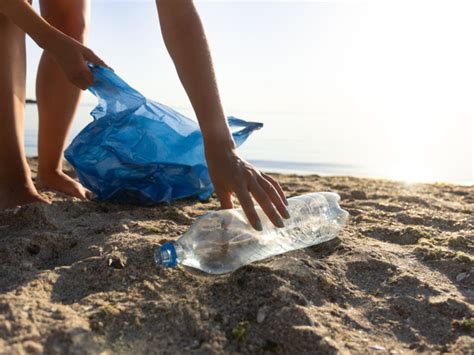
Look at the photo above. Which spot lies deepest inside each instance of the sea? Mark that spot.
(348, 144)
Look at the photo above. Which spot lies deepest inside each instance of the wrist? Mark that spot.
(219, 142)
(217, 135)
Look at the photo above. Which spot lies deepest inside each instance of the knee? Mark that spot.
(74, 26)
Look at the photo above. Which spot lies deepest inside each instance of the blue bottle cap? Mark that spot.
(166, 255)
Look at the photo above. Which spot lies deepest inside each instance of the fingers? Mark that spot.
(91, 57)
(85, 78)
(264, 201)
(249, 209)
(88, 194)
(82, 77)
(226, 199)
(277, 187)
(274, 196)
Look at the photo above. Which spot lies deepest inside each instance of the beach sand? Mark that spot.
(78, 277)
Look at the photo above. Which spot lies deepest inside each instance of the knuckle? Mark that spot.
(270, 191)
(248, 173)
(273, 181)
(267, 185)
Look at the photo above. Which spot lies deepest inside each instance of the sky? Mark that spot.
(303, 56)
(403, 66)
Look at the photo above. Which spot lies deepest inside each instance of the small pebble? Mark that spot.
(116, 262)
(461, 276)
(261, 315)
(33, 347)
(33, 249)
(377, 347)
(195, 344)
(6, 327)
(26, 265)
(358, 195)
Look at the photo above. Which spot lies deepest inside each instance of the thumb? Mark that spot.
(91, 57)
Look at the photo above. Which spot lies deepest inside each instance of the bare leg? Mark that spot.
(58, 98)
(16, 187)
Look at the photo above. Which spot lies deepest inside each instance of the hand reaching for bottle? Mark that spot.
(231, 174)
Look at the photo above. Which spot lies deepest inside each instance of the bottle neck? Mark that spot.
(180, 253)
(169, 255)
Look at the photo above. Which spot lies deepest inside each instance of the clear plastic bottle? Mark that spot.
(223, 241)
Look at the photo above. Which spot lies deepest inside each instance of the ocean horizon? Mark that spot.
(329, 144)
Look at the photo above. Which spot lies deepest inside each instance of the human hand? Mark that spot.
(231, 174)
(73, 58)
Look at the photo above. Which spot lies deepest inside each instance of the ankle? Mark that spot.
(13, 187)
(47, 168)
(16, 182)
(19, 175)
(47, 173)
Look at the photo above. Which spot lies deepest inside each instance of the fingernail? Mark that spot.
(280, 223)
(286, 214)
(258, 226)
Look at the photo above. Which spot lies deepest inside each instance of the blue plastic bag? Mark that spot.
(140, 151)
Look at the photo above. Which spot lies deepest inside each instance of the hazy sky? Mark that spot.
(367, 57)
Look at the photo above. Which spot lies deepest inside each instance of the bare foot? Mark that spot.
(19, 195)
(59, 181)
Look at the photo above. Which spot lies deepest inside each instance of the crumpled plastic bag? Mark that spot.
(140, 151)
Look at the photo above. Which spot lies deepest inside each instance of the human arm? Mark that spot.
(70, 54)
(187, 45)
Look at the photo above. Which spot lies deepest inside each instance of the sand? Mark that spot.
(78, 277)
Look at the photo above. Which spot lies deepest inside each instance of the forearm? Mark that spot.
(187, 45)
(23, 15)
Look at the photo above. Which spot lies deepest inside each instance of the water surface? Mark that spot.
(341, 144)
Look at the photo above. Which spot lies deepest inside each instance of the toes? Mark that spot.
(80, 192)
(88, 194)
(41, 199)
(63, 183)
(77, 191)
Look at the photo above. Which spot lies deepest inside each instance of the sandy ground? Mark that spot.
(78, 277)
